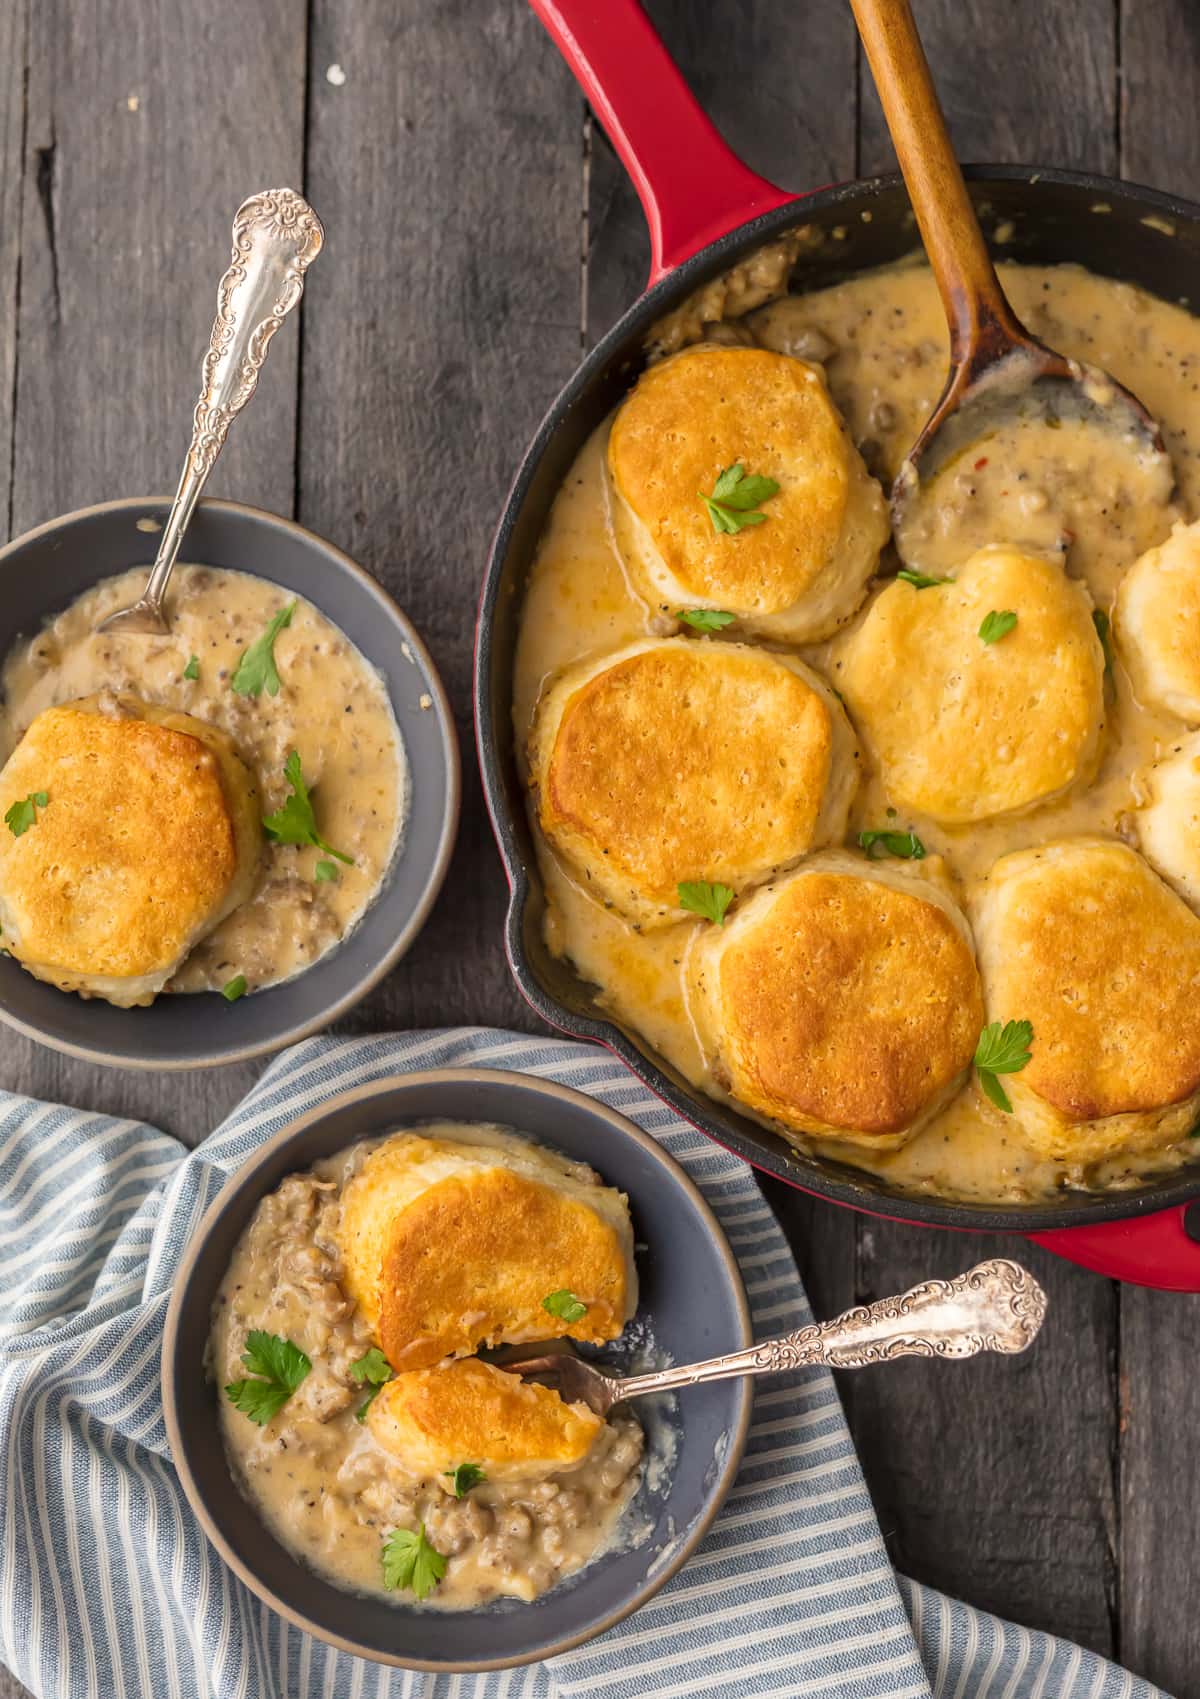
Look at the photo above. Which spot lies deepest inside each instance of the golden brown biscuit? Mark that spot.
(451, 1240)
(1168, 822)
(1084, 941)
(962, 729)
(1157, 621)
(465, 1411)
(841, 1002)
(150, 836)
(679, 759)
(802, 572)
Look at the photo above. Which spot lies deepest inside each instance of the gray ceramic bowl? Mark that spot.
(45, 570)
(691, 1293)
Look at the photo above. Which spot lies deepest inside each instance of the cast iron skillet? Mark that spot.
(706, 211)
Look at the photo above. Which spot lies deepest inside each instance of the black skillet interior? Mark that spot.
(1118, 230)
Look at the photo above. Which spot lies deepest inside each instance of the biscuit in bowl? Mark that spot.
(1157, 621)
(1168, 822)
(965, 729)
(449, 1244)
(431, 1420)
(148, 837)
(1085, 942)
(842, 1002)
(799, 573)
(677, 760)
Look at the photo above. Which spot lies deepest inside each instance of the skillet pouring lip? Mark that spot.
(611, 359)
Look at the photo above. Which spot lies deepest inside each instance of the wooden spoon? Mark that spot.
(998, 369)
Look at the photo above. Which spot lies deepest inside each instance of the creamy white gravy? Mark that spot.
(332, 707)
(882, 339)
(317, 1476)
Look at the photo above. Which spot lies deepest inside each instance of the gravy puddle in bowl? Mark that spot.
(315, 1473)
(332, 708)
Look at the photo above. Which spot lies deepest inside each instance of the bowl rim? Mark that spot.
(244, 1176)
(403, 940)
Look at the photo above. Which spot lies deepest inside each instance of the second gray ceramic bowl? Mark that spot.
(45, 570)
(691, 1296)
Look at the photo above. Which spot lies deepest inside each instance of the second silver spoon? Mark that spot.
(276, 237)
(995, 1306)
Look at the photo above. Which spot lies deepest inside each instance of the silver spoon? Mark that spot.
(276, 237)
(996, 1306)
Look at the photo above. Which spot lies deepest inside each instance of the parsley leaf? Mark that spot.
(373, 1370)
(409, 1560)
(282, 1367)
(565, 1305)
(295, 822)
(906, 845)
(919, 580)
(997, 625)
(705, 619)
(22, 815)
(734, 501)
(324, 871)
(192, 670)
(699, 897)
(235, 988)
(465, 1476)
(1002, 1049)
(256, 671)
(1101, 622)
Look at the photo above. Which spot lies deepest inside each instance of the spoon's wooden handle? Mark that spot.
(982, 324)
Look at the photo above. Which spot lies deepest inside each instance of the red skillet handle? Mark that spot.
(1145, 1250)
(692, 187)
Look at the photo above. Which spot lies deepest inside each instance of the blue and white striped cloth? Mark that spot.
(108, 1589)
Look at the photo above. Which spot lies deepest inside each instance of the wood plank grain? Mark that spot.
(448, 168)
(1018, 82)
(1160, 94)
(997, 1481)
(14, 29)
(131, 174)
(1160, 1500)
(1160, 1332)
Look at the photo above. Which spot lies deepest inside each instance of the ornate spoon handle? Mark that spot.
(276, 237)
(996, 1306)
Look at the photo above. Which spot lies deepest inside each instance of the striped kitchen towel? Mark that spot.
(110, 1591)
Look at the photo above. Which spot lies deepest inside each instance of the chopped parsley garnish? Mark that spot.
(906, 845)
(705, 619)
(1101, 622)
(280, 1364)
(192, 670)
(1002, 1050)
(565, 1305)
(465, 1476)
(409, 1560)
(734, 501)
(374, 1371)
(295, 822)
(919, 580)
(22, 815)
(324, 870)
(711, 901)
(235, 988)
(256, 670)
(997, 624)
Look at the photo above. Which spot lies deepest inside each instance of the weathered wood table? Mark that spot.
(480, 235)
